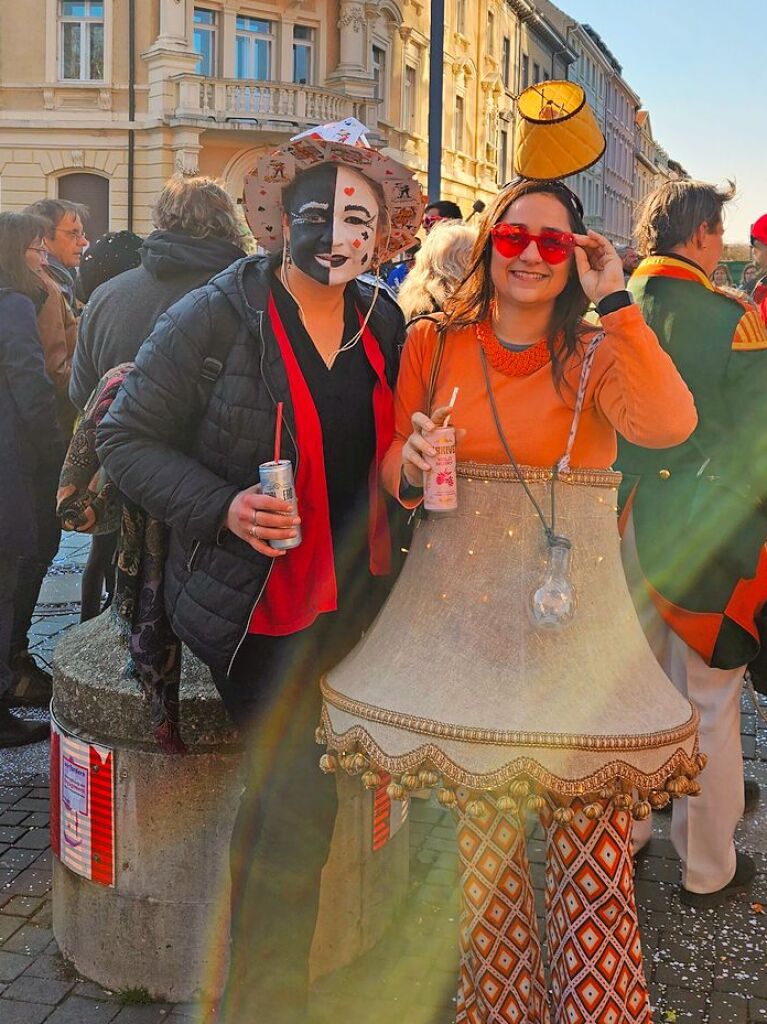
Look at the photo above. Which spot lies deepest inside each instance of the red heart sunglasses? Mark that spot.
(511, 240)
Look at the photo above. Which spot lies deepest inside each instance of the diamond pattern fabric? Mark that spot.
(597, 975)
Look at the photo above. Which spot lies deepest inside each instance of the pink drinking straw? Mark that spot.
(278, 432)
(450, 407)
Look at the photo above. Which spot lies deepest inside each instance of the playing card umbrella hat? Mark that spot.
(453, 685)
(558, 134)
(343, 142)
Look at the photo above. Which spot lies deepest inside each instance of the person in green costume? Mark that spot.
(695, 516)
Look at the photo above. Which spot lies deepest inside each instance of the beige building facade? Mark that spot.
(102, 100)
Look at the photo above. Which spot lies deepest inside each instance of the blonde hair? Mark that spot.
(197, 206)
(440, 265)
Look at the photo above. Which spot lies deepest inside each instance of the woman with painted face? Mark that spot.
(514, 340)
(296, 328)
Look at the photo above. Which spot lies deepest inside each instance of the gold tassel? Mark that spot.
(506, 803)
(563, 815)
(428, 779)
(446, 797)
(536, 803)
(623, 801)
(328, 764)
(701, 760)
(395, 791)
(409, 781)
(475, 808)
(319, 736)
(641, 810)
(371, 780)
(520, 788)
(593, 811)
(658, 799)
(693, 787)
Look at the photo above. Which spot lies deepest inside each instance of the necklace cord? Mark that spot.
(547, 529)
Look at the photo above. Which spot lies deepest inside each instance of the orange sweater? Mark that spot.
(633, 389)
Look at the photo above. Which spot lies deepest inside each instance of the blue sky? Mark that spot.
(700, 68)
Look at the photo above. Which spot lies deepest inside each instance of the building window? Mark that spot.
(525, 72)
(460, 16)
(458, 125)
(506, 62)
(536, 73)
(81, 41)
(303, 54)
(253, 53)
(409, 99)
(503, 156)
(490, 33)
(380, 80)
(205, 41)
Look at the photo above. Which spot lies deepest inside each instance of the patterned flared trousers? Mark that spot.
(597, 975)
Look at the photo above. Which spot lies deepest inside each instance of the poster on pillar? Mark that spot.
(82, 806)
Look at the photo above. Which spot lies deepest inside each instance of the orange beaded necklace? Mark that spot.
(513, 364)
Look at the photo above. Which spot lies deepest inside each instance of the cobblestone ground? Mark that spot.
(707, 967)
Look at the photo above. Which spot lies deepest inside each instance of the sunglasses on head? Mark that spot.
(511, 240)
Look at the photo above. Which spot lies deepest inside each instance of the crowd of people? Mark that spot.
(175, 360)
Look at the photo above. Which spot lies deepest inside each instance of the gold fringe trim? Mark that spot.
(539, 474)
(680, 763)
(504, 738)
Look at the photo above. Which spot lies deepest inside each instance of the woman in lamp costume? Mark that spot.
(525, 685)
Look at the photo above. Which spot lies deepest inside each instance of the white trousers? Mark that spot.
(702, 827)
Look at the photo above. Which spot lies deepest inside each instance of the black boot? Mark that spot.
(31, 686)
(16, 732)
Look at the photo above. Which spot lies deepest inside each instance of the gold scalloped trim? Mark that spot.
(680, 763)
(539, 474)
(504, 738)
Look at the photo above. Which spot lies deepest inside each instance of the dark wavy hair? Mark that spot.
(471, 301)
(17, 232)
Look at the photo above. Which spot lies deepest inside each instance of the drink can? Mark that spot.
(277, 480)
(440, 490)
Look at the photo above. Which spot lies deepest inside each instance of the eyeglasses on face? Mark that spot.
(72, 232)
(511, 240)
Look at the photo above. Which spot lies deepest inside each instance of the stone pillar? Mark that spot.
(163, 925)
(352, 25)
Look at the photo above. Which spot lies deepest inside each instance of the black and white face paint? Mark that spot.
(332, 224)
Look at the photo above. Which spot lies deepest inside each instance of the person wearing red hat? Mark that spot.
(759, 253)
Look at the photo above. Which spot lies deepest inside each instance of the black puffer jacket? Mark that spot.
(184, 460)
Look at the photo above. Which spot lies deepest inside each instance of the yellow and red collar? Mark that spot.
(671, 266)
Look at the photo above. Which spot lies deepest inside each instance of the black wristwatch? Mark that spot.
(614, 301)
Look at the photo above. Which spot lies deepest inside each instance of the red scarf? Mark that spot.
(302, 584)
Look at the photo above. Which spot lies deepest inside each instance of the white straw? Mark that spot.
(450, 406)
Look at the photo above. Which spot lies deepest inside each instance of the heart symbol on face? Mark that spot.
(349, 191)
(390, 172)
(262, 209)
(356, 243)
(262, 192)
(269, 227)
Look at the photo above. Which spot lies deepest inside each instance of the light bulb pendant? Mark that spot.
(552, 604)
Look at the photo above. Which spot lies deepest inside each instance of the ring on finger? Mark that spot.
(252, 531)
(255, 517)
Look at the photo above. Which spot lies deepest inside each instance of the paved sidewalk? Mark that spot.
(707, 967)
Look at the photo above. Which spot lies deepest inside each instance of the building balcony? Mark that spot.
(224, 100)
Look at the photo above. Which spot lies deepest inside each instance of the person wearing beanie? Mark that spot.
(111, 255)
(759, 253)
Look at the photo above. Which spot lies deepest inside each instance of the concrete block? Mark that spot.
(164, 924)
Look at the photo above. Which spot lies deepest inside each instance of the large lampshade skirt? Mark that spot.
(454, 686)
